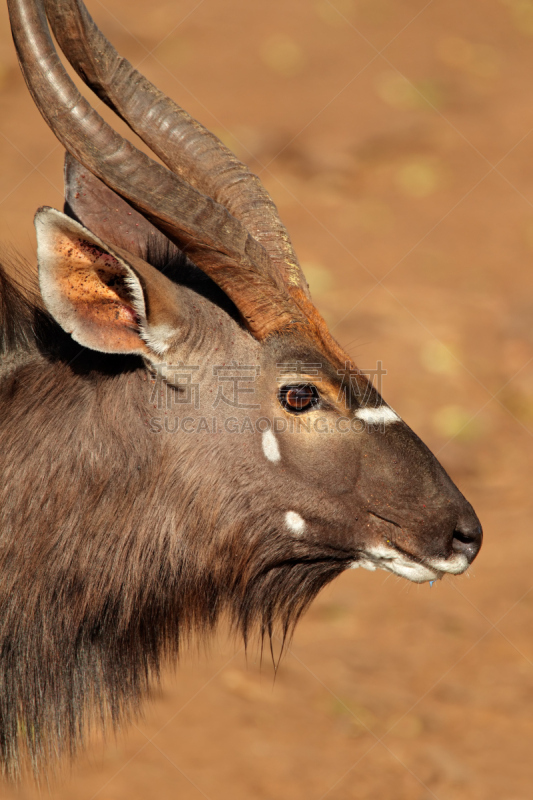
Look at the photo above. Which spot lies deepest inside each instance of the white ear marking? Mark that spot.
(294, 522)
(157, 337)
(270, 446)
(378, 416)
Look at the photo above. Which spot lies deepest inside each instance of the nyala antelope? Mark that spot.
(141, 496)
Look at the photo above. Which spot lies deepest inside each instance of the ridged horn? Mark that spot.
(213, 238)
(182, 143)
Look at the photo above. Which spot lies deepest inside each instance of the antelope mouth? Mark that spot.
(406, 565)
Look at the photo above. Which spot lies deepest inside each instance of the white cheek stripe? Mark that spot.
(270, 447)
(378, 416)
(294, 522)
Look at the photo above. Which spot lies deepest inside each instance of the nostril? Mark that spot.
(467, 540)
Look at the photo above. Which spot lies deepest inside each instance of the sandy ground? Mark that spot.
(396, 139)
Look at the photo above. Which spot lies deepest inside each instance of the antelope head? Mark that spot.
(273, 463)
(365, 494)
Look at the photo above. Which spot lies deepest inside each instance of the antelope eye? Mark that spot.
(301, 397)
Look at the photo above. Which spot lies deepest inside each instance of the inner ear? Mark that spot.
(96, 295)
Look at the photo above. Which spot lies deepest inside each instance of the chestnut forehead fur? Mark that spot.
(151, 547)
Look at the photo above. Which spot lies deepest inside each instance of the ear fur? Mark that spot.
(101, 295)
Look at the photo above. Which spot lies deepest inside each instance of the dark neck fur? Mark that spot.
(114, 545)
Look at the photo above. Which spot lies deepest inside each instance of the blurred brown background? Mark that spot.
(396, 139)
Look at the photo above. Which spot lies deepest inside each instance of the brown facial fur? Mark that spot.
(133, 536)
(122, 534)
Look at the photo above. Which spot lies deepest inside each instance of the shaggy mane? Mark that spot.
(114, 551)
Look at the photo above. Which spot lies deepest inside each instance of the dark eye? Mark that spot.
(301, 397)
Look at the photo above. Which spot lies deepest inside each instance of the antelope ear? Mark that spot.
(107, 299)
(89, 201)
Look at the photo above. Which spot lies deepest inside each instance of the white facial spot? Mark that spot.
(378, 416)
(294, 522)
(270, 447)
